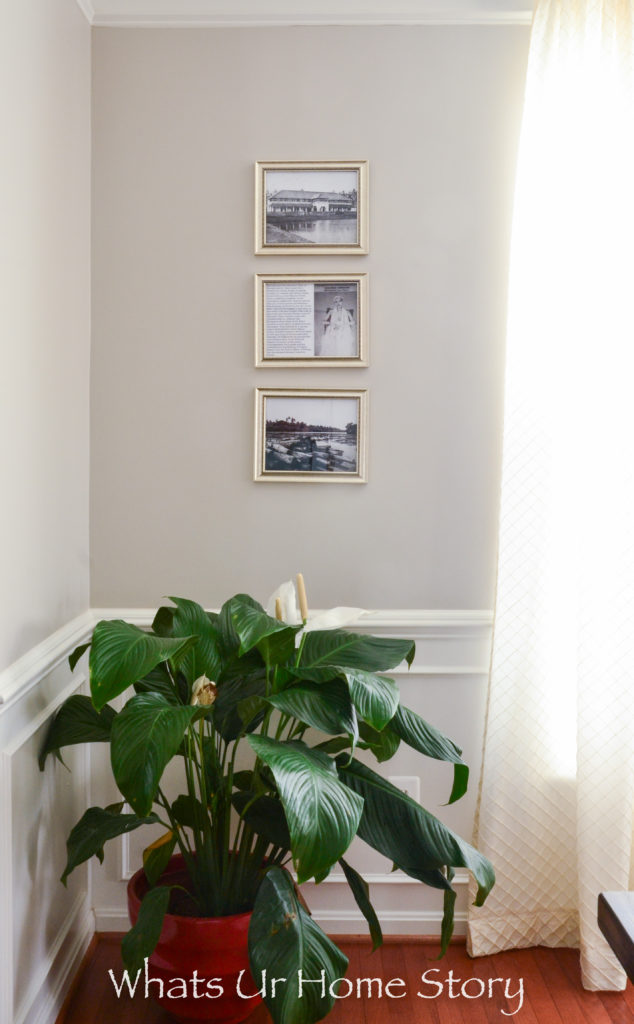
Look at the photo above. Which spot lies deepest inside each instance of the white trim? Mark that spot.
(283, 13)
(6, 873)
(44, 715)
(394, 878)
(408, 922)
(51, 1002)
(30, 669)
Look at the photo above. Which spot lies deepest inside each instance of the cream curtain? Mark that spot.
(555, 811)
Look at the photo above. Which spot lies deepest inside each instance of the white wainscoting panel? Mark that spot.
(44, 928)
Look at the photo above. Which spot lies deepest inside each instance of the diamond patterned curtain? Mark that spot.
(555, 810)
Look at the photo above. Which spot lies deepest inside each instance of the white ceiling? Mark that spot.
(306, 12)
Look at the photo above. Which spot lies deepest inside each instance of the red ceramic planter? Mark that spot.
(213, 947)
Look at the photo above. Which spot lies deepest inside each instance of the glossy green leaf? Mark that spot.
(157, 856)
(251, 708)
(322, 813)
(122, 654)
(77, 654)
(449, 903)
(265, 815)
(229, 639)
(354, 650)
(163, 621)
(325, 706)
(230, 695)
(425, 738)
(243, 779)
(77, 721)
(383, 744)
(204, 659)
(374, 697)
(141, 941)
(333, 746)
(94, 829)
(275, 640)
(159, 680)
(361, 892)
(145, 737)
(189, 811)
(284, 940)
(402, 830)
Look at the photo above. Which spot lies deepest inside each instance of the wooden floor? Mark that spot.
(550, 978)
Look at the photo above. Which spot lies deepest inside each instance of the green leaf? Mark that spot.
(229, 639)
(204, 659)
(141, 941)
(163, 621)
(76, 655)
(374, 697)
(158, 680)
(414, 839)
(275, 640)
(157, 856)
(93, 830)
(243, 780)
(265, 815)
(145, 737)
(189, 811)
(449, 903)
(76, 722)
(250, 708)
(333, 746)
(383, 744)
(325, 706)
(322, 813)
(284, 940)
(361, 892)
(230, 695)
(354, 650)
(422, 736)
(122, 654)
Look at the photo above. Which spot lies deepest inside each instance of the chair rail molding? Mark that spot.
(275, 13)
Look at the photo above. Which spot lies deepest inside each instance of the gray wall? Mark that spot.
(179, 118)
(45, 319)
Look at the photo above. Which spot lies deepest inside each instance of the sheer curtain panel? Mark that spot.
(555, 810)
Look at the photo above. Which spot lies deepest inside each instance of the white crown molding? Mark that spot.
(278, 13)
(87, 9)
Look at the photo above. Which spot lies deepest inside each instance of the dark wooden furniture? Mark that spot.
(616, 921)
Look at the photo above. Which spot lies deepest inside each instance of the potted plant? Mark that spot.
(264, 718)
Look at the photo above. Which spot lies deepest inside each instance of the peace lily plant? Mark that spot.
(295, 703)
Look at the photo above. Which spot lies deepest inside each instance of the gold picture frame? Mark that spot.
(311, 435)
(311, 320)
(307, 208)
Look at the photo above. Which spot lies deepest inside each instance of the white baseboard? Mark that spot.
(50, 985)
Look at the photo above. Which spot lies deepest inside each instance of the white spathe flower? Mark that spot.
(333, 618)
(286, 594)
(203, 692)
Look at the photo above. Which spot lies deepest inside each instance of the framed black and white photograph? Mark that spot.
(312, 435)
(319, 207)
(310, 320)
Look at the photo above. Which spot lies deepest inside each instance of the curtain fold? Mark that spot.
(555, 810)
